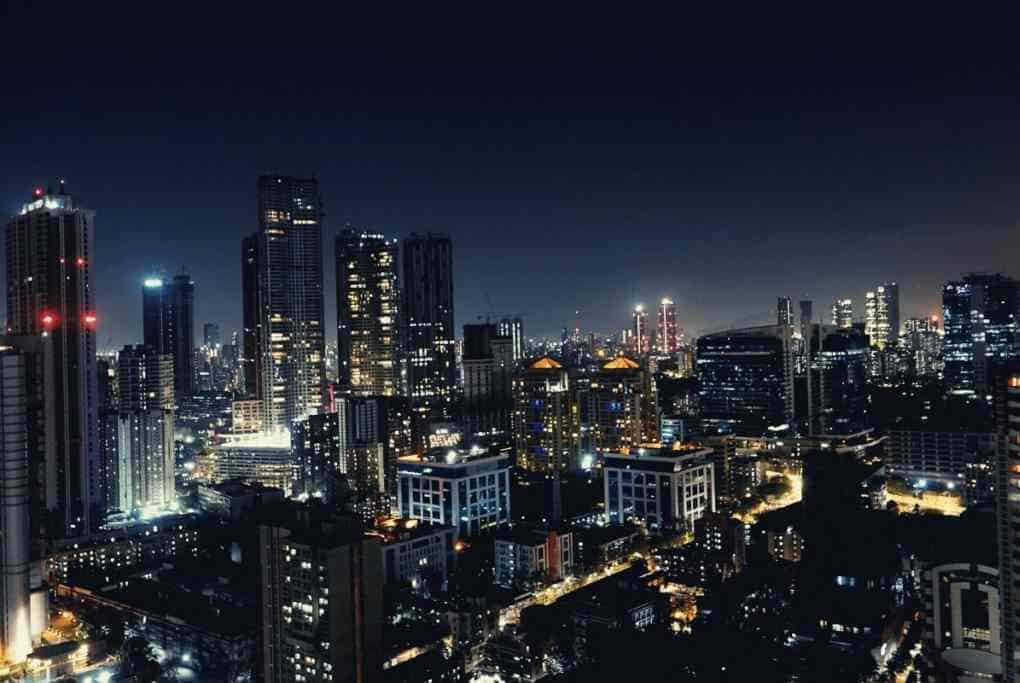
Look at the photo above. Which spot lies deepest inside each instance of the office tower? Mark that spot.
(487, 365)
(668, 341)
(50, 292)
(980, 315)
(665, 491)
(26, 407)
(746, 380)
(545, 418)
(368, 313)
(641, 339)
(322, 602)
(839, 382)
(145, 434)
(843, 313)
(168, 325)
(1007, 402)
(784, 311)
(211, 335)
(281, 278)
(513, 329)
(470, 492)
(428, 333)
(882, 315)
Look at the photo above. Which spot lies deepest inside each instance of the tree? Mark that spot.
(137, 658)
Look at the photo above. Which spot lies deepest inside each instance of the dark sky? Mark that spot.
(585, 170)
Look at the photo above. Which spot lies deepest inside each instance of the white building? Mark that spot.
(455, 488)
(527, 554)
(664, 490)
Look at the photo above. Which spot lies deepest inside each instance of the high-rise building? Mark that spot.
(641, 339)
(106, 382)
(24, 371)
(839, 382)
(145, 429)
(168, 325)
(513, 329)
(980, 314)
(368, 313)
(922, 343)
(667, 340)
(1007, 492)
(843, 313)
(611, 406)
(428, 332)
(546, 431)
(50, 292)
(322, 602)
(882, 315)
(488, 370)
(373, 420)
(281, 276)
(784, 311)
(746, 380)
(211, 335)
(318, 442)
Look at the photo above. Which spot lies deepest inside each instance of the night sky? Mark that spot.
(571, 177)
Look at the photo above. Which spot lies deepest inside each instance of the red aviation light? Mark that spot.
(49, 319)
(90, 320)
(80, 261)
(37, 192)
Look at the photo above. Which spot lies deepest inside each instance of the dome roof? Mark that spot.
(545, 363)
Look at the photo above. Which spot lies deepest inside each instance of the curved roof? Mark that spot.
(621, 363)
(545, 363)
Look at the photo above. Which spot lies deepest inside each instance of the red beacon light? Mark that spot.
(80, 261)
(48, 319)
(37, 192)
(90, 320)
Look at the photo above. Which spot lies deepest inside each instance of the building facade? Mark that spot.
(50, 292)
(322, 603)
(665, 490)
(428, 332)
(470, 493)
(546, 430)
(168, 325)
(667, 335)
(368, 313)
(882, 315)
(746, 380)
(145, 429)
(281, 274)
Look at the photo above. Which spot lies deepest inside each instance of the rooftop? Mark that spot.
(545, 363)
(621, 363)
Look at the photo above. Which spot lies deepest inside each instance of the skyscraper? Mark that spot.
(428, 332)
(513, 328)
(145, 429)
(23, 376)
(50, 292)
(980, 314)
(168, 326)
(211, 335)
(784, 311)
(488, 378)
(838, 382)
(882, 315)
(746, 380)
(368, 313)
(668, 340)
(545, 418)
(322, 602)
(642, 340)
(281, 275)
(1007, 493)
(843, 313)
